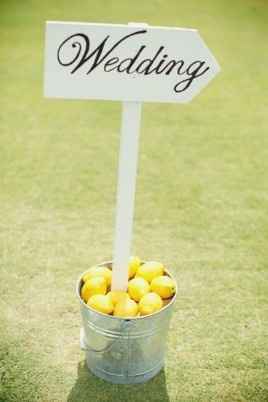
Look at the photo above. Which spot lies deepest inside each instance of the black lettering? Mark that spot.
(147, 70)
(97, 60)
(86, 56)
(158, 69)
(173, 63)
(76, 50)
(111, 62)
(76, 45)
(130, 61)
(193, 74)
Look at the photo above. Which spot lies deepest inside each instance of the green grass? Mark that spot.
(201, 208)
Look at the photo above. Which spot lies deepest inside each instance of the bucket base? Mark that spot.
(125, 379)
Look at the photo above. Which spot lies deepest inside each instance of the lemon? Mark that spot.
(117, 295)
(93, 286)
(126, 308)
(138, 287)
(101, 303)
(133, 265)
(164, 286)
(99, 271)
(150, 303)
(150, 270)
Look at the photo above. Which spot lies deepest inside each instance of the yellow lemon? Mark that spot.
(101, 303)
(98, 271)
(164, 286)
(150, 270)
(133, 265)
(126, 308)
(117, 295)
(137, 288)
(94, 286)
(150, 303)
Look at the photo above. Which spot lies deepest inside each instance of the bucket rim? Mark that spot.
(109, 264)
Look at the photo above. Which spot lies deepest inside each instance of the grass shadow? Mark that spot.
(89, 388)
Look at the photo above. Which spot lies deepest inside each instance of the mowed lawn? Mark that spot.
(201, 208)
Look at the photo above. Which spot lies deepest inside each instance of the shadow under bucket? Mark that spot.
(120, 350)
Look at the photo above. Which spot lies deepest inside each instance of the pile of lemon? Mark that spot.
(149, 289)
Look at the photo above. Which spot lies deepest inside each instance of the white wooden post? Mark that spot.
(127, 172)
(128, 158)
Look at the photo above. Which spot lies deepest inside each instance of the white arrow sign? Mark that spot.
(126, 63)
(131, 63)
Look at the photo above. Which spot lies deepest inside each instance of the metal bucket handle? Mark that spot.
(84, 346)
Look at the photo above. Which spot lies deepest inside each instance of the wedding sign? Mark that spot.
(129, 63)
(125, 62)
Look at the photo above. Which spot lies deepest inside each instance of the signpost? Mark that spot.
(130, 63)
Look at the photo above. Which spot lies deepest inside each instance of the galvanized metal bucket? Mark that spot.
(124, 351)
